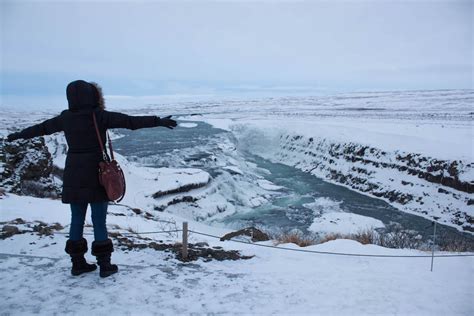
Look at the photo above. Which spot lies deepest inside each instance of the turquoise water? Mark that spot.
(201, 147)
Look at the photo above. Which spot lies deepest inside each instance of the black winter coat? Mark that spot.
(80, 181)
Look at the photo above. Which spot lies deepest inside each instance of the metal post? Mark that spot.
(433, 246)
(184, 250)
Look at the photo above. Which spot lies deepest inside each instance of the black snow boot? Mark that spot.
(103, 250)
(76, 249)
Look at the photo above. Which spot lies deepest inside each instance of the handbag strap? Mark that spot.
(104, 152)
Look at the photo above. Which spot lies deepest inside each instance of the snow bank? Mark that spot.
(344, 223)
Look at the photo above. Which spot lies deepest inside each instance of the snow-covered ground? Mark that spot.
(433, 125)
(35, 275)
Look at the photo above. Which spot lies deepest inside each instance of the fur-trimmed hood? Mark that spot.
(100, 95)
(84, 95)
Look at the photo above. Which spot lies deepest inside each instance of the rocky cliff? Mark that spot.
(412, 182)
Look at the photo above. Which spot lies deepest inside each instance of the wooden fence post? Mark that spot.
(184, 250)
(433, 247)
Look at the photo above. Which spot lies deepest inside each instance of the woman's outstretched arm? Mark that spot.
(47, 127)
(120, 120)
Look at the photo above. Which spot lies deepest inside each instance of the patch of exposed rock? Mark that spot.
(19, 226)
(255, 234)
(181, 189)
(195, 251)
(28, 169)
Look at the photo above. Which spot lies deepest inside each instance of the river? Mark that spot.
(199, 145)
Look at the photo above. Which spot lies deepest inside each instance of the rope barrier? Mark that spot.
(156, 232)
(290, 249)
(337, 253)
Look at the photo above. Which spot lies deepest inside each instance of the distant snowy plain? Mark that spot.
(35, 270)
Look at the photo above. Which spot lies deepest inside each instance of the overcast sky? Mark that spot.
(152, 48)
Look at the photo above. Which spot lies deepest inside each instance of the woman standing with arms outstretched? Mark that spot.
(81, 185)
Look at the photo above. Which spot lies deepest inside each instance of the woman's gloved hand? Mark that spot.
(167, 122)
(13, 136)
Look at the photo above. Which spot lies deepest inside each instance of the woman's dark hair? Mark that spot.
(100, 95)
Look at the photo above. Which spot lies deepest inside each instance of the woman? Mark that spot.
(80, 182)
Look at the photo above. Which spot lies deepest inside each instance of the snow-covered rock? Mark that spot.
(28, 169)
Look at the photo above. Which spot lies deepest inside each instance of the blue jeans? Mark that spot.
(78, 215)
